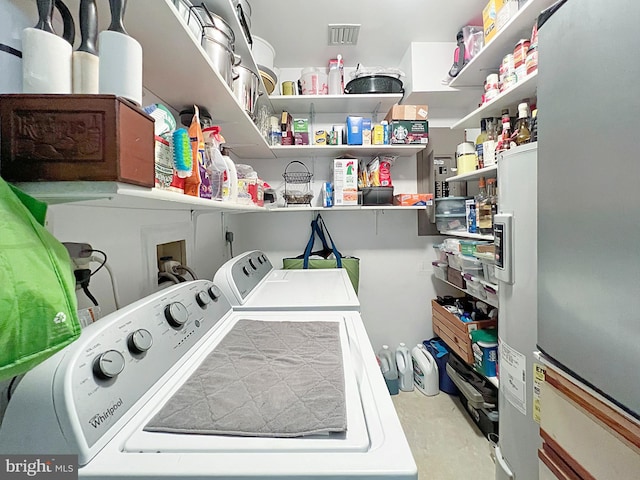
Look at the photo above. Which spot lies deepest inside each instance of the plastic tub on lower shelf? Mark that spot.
(475, 286)
(472, 266)
(491, 290)
(454, 260)
(451, 205)
(440, 270)
(451, 223)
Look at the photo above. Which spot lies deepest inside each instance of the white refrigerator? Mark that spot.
(589, 197)
(515, 229)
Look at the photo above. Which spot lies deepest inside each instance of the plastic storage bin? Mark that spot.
(451, 206)
(440, 270)
(488, 267)
(377, 196)
(472, 266)
(441, 254)
(451, 223)
(475, 286)
(454, 260)
(491, 291)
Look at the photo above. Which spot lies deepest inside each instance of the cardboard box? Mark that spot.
(354, 130)
(301, 131)
(366, 131)
(408, 112)
(489, 19)
(409, 131)
(75, 137)
(411, 199)
(506, 13)
(345, 181)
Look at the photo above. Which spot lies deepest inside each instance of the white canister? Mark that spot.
(309, 81)
(263, 52)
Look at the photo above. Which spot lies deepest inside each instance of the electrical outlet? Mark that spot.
(80, 254)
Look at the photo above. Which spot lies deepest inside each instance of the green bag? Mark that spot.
(350, 264)
(38, 306)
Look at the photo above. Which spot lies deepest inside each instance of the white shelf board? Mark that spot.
(485, 300)
(475, 236)
(489, 58)
(346, 208)
(490, 172)
(298, 151)
(177, 70)
(373, 104)
(507, 99)
(122, 195)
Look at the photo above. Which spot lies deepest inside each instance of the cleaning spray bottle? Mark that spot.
(405, 368)
(219, 175)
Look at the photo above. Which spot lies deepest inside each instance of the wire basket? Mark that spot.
(297, 184)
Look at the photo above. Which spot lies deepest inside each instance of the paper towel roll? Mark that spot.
(85, 72)
(46, 62)
(120, 65)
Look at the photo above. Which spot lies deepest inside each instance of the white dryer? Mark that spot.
(97, 397)
(251, 283)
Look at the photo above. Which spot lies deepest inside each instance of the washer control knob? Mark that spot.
(264, 258)
(203, 298)
(108, 364)
(176, 314)
(253, 264)
(245, 270)
(260, 260)
(214, 293)
(139, 341)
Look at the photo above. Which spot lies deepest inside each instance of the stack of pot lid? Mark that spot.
(264, 54)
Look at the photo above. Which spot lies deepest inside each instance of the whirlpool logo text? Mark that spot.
(54, 467)
(100, 418)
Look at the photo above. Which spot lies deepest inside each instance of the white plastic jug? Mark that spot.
(389, 369)
(405, 368)
(425, 371)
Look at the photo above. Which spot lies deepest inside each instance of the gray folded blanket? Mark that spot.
(265, 379)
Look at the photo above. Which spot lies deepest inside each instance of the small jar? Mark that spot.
(520, 52)
(531, 61)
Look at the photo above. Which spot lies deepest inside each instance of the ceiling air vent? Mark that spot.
(343, 34)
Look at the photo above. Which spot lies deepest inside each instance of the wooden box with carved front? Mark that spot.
(75, 137)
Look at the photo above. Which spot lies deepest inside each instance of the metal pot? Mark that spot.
(215, 21)
(246, 89)
(368, 84)
(222, 58)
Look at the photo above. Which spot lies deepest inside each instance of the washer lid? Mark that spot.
(328, 289)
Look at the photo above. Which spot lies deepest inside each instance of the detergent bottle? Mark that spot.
(405, 368)
(425, 371)
(389, 369)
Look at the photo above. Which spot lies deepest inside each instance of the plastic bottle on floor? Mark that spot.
(425, 371)
(405, 368)
(389, 369)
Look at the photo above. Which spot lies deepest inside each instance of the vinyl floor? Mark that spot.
(445, 443)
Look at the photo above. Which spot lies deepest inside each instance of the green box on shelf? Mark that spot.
(409, 132)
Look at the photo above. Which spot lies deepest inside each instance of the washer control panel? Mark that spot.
(248, 271)
(120, 357)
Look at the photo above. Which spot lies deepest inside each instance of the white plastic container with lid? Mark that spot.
(405, 368)
(425, 371)
(389, 369)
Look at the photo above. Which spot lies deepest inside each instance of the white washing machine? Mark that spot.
(97, 397)
(251, 283)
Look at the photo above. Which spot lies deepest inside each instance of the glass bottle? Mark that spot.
(483, 209)
(523, 134)
(489, 145)
(480, 139)
(504, 143)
